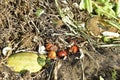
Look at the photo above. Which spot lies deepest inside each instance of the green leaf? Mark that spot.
(48, 61)
(41, 61)
(24, 61)
(88, 5)
(82, 5)
(118, 8)
(39, 12)
(105, 9)
(114, 75)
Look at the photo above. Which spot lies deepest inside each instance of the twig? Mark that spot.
(51, 71)
(109, 45)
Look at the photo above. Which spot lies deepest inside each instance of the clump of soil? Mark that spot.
(22, 30)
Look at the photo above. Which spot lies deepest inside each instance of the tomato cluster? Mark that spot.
(53, 51)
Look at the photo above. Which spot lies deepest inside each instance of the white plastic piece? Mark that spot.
(110, 34)
(82, 54)
(5, 50)
(41, 50)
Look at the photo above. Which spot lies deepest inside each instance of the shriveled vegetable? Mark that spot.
(107, 39)
(24, 61)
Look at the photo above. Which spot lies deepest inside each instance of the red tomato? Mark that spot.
(74, 49)
(62, 53)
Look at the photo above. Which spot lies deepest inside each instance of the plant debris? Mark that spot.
(59, 39)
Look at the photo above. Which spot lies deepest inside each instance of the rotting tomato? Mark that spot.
(62, 53)
(51, 47)
(74, 49)
(48, 46)
(52, 54)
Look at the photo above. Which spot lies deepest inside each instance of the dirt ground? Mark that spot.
(21, 29)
